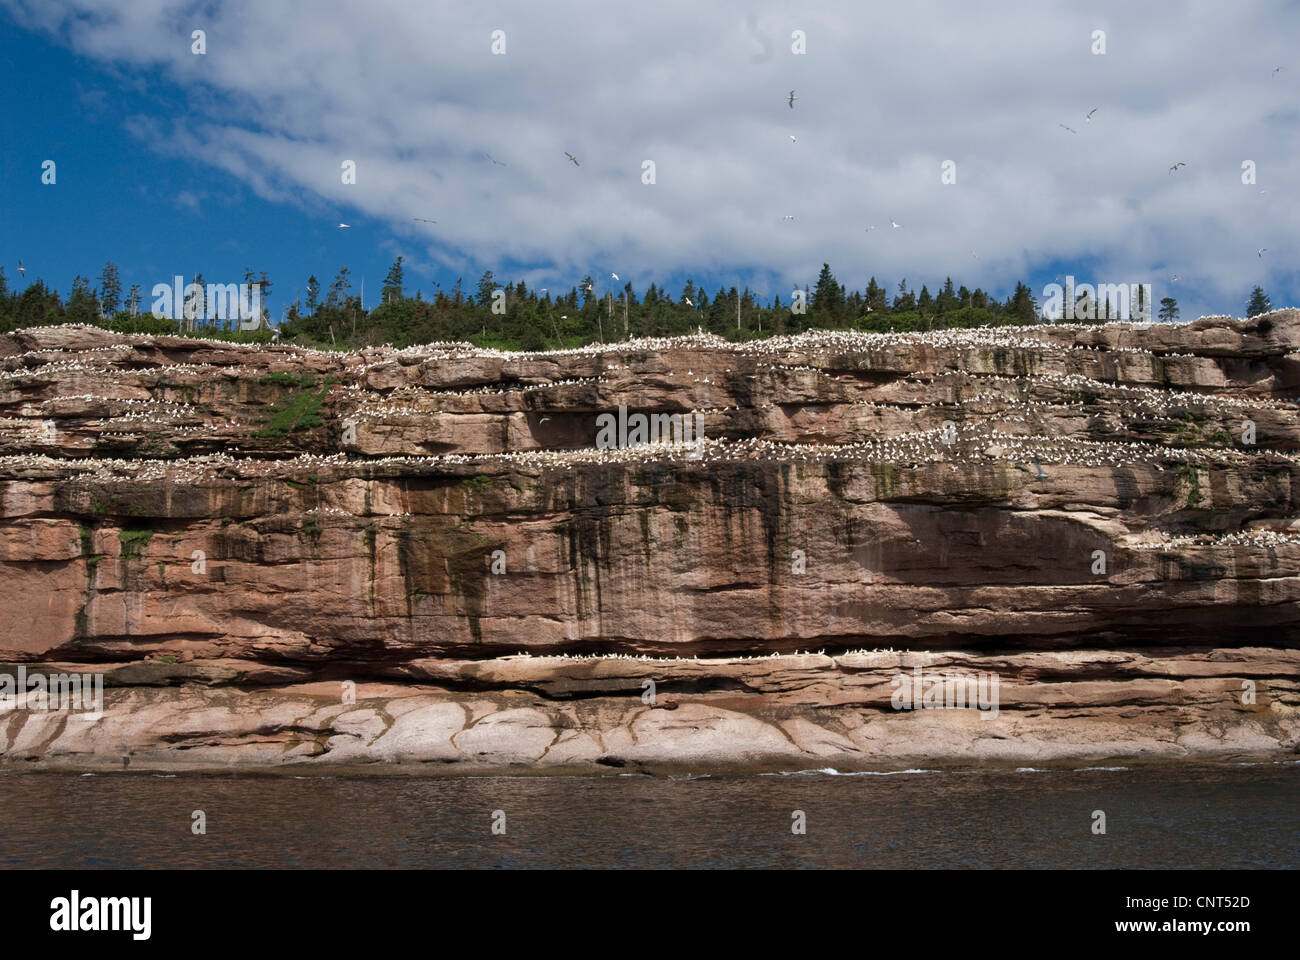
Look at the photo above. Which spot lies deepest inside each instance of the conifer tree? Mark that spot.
(110, 289)
(1258, 303)
(392, 289)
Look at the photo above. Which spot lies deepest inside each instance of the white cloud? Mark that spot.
(412, 93)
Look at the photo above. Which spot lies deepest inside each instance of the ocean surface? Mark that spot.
(1232, 816)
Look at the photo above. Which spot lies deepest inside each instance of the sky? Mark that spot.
(170, 162)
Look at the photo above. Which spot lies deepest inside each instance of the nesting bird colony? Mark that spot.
(914, 453)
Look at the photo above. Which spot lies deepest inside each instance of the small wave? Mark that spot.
(880, 773)
(832, 772)
(1029, 770)
(1083, 769)
(87, 774)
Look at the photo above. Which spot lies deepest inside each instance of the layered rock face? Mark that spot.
(284, 558)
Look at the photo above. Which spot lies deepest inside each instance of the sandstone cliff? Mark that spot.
(243, 540)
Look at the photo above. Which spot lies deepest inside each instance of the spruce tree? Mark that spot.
(1258, 303)
(337, 297)
(827, 298)
(392, 289)
(110, 289)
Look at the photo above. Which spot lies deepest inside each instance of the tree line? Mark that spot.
(515, 316)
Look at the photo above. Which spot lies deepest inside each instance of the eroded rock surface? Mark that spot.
(1101, 516)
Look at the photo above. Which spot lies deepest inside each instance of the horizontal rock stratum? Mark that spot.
(419, 559)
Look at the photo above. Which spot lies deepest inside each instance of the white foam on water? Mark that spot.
(832, 772)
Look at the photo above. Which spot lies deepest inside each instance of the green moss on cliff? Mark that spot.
(297, 411)
(886, 475)
(134, 541)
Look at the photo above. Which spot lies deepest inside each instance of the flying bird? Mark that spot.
(21, 271)
(1176, 166)
(870, 227)
(614, 275)
(788, 216)
(894, 224)
(689, 302)
(572, 158)
(344, 226)
(1175, 278)
(424, 219)
(1275, 70)
(1039, 468)
(792, 139)
(1071, 129)
(497, 162)
(792, 98)
(1261, 252)
(1088, 118)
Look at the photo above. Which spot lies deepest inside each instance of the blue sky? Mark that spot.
(171, 163)
(152, 212)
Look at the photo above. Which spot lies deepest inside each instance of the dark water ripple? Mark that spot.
(1157, 817)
